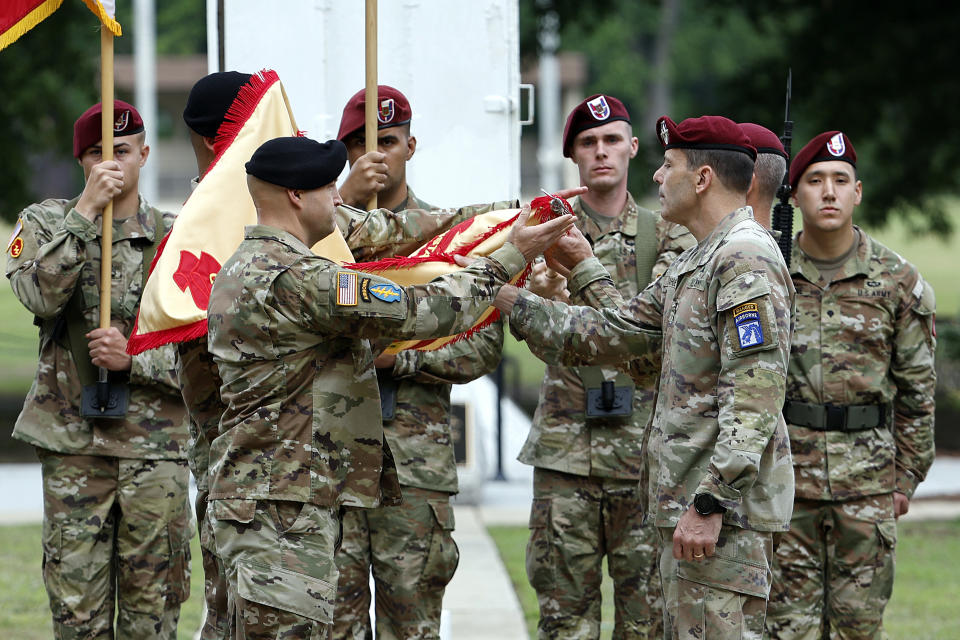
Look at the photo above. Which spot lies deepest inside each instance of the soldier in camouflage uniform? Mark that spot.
(587, 455)
(209, 100)
(719, 478)
(116, 524)
(301, 437)
(409, 547)
(859, 404)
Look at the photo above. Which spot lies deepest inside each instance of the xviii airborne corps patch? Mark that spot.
(749, 329)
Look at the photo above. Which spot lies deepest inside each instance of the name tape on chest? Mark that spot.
(746, 317)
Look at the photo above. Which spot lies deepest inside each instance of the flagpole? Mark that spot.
(106, 142)
(370, 102)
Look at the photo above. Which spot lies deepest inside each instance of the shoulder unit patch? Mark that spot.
(385, 292)
(749, 328)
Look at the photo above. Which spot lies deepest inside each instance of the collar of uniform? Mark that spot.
(625, 222)
(412, 202)
(265, 232)
(705, 249)
(858, 264)
(142, 225)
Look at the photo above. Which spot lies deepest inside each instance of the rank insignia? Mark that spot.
(15, 246)
(385, 292)
(836, 146)
(346, 289)
(387, 111)
(599, 108)
(749, 329)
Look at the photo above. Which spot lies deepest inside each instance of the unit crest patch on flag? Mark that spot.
(387, 110)
(599, 108)
(346, 289)
(15, 245)
(749, 329)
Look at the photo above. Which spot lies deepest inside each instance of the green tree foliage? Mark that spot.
(885, 73)
(47, 80)
(51, 74)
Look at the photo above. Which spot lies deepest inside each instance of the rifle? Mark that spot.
(783, 210)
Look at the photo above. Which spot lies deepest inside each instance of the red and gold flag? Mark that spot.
(477, 237)
(210, 225)
(19, 16)
(106, 10)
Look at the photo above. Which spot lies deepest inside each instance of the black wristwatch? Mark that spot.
(706, 504)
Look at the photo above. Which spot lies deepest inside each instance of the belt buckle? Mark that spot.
(836, 417)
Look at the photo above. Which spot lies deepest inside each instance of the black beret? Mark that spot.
(210, 99)
(298, 163)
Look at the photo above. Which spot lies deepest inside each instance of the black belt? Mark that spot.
(836, 417)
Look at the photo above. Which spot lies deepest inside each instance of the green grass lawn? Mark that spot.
(24, 608)
(925, 593)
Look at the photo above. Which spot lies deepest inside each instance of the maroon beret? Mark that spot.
(393, 110)
(87, 132)
(593, 112)
(763, 139)
(831, 145)
(705, 132)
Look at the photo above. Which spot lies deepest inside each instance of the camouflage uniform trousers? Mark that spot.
(723, 596)
(574, 522)
(411, 551)
(215, 622)
(833, 571)
(278, 559)
(115, 530)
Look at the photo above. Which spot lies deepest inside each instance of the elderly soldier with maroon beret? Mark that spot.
(585, 451)
(717, 455)
(408, 547)
(301, 438)
(116, 525)
(859, 404)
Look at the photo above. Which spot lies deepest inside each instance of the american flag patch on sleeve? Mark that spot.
(346, 289)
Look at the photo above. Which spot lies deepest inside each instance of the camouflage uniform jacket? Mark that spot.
(372, 235)
(723, 311)
(289, 332)
(60, 252)
(866, 338)
(419, 434)
(561, 437)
